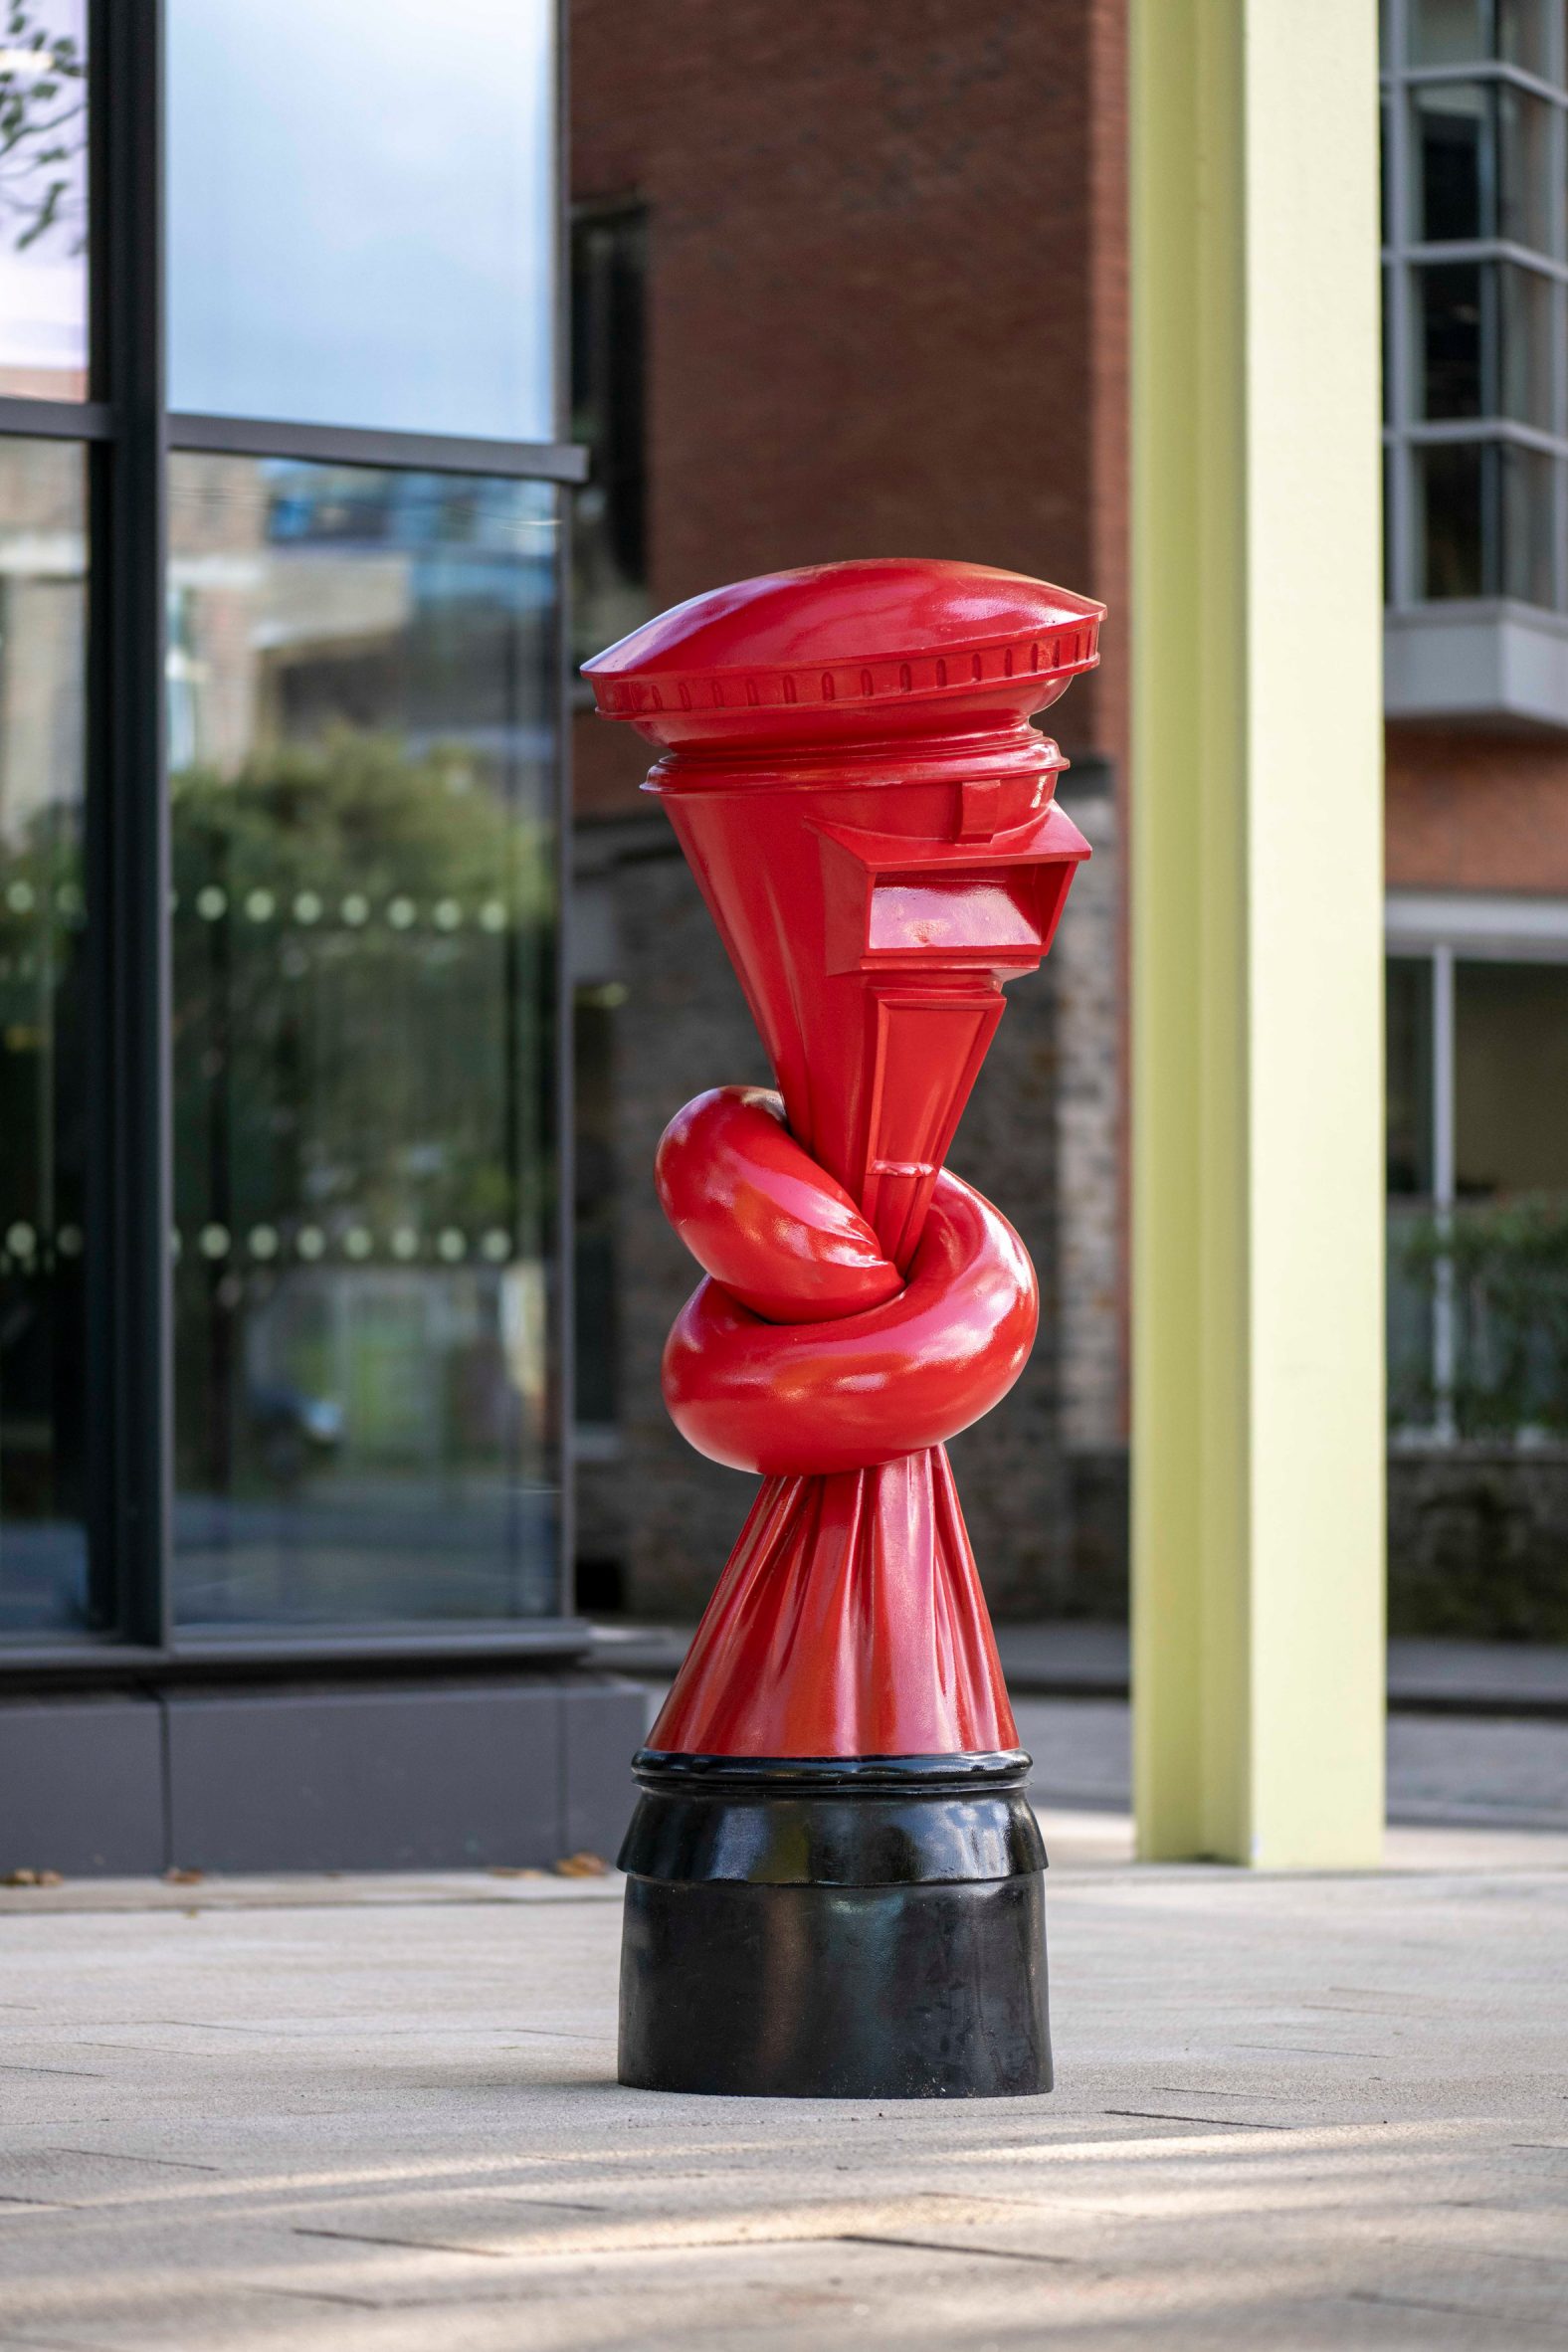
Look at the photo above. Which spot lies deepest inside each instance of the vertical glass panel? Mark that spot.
(44, 1585)
(1524, 173)
(1450, 536)
(1525, 34)
(1447, 31)
(1408, 1092)
(1409, 1135)
(1451, 124)
(1524, 345)
(1525, 567)
(608, 515)
(362, 696)
(1448, 311)
(1508, 1247)
(595, 1196)
(362, 213)
(42, 198)
(1510, 1079)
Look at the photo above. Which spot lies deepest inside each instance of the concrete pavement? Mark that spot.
(381, 2116)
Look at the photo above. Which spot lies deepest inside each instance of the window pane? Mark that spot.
(1452, 124)
(1510, 1239)
(42, 198)
(1510, 1077)
(1527, 516)
(1447, 31)
(43, 1583)
(361, 708)
(609, 533)
(1409, 1093)
(1408, 1133)
(1524, 177)
(1449, 539)
(1524, 345)
(1525, 34)
(1449, 323)
(362, 213)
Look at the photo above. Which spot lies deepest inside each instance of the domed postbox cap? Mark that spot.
(898, 645)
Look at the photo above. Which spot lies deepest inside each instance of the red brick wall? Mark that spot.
(1473, 812)
(887, 310)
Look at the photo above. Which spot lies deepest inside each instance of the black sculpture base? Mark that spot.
(869, 1927)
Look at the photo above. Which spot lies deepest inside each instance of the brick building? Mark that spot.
(850, 281)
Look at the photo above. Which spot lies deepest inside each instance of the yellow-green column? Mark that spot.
(1258, 1441)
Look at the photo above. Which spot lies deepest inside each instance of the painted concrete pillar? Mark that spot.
(1259, 1428)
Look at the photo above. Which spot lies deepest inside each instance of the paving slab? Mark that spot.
(380, 2114)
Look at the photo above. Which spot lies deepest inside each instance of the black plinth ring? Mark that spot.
(833, 1820)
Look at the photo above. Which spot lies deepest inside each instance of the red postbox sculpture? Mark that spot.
(834, 1876)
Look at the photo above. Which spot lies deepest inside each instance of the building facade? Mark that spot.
(851, 282)
(285, 1573)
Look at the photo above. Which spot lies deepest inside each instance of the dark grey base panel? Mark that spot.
(448, 1775)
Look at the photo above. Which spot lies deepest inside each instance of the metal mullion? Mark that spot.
(55, 420)
(1488, 70)
(1485, 428)
(1401, 488)
(1488, 249)
(129, 1308)
(353, 444)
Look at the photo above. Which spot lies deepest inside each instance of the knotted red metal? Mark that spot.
(851, 770)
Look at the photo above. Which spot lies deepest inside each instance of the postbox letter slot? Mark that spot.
(964, 915)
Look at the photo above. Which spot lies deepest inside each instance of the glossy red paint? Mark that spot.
(851, 770)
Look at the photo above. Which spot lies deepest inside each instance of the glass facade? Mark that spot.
(362, 706)
(1475, 300)
(280, 684)
(42, 198)
(362, 213)
(1478, 1178)
(45, 1586)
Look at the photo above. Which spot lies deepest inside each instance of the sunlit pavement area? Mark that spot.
(382, 2112)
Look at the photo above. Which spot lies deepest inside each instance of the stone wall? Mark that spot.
(1478, 1542)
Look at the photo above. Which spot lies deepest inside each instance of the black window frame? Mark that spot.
(128, 431)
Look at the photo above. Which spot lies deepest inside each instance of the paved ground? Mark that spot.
(1073, 1657)
(381, 2116)
(1482, 1772)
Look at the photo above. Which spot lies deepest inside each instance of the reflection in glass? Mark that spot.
(1450, 123)
(1459, 33)
(1407, 1098)
(43, 1547)
(1525, 344)
(1409, 1089)
(1449, 530)
(42, 198)
(1526, 519)
(361, 715)
(361, 213)
(1524, 175)
(1447, 31)
(1448, 317)
(609, 408)
(1525, 34)
(1510, 1079)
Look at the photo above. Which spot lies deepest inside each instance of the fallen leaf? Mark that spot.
(582, 1865)
(183, 1877)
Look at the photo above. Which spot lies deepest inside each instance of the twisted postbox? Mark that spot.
(834, 1877)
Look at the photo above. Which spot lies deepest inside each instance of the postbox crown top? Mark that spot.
(848, 646)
